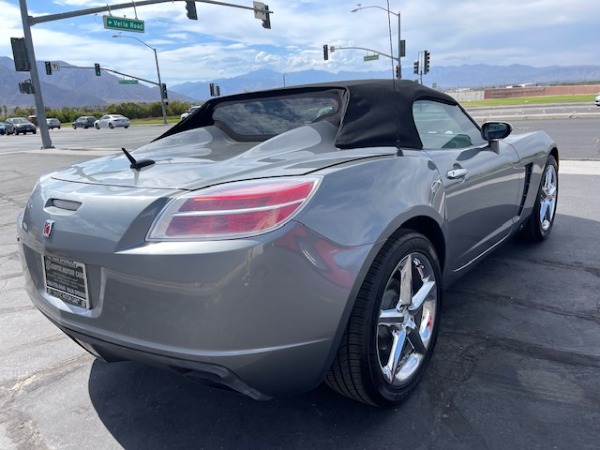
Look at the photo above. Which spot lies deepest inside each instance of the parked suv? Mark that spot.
(21, 125)
(84, 122)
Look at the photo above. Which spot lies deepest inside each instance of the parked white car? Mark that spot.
(597, 100)
(112, 121)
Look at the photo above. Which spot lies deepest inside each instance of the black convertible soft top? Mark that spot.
(374, 112)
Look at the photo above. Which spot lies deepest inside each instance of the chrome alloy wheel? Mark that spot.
(548, 197)
(406, 320)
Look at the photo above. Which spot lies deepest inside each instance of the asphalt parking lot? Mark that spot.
(517, 363)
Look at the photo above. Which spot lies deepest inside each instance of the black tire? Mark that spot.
(34, 131)
(540, 223)
(365, 368)
(110, 125)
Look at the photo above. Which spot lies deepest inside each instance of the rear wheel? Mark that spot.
(392, 330)
(110, 125)
(540, 223)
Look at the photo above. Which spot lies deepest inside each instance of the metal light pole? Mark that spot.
(162, 100)
(35, 77)
(400, 52)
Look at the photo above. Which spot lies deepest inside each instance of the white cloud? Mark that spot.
(227, 42)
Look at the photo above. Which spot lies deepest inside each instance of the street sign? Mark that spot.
(371, 57)
(123, 24)
(55, 66)
(259, 14)
(128, 81)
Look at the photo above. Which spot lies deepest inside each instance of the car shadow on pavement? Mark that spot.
(515, 366)
(145, 407)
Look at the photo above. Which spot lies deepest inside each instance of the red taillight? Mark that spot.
(233, 210)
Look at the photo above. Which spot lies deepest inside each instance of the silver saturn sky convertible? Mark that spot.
(275, 240)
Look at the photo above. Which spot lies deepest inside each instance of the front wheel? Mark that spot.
(392, 329)
(110, 125)
(540, 223)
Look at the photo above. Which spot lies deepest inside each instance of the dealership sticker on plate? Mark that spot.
(66, 280)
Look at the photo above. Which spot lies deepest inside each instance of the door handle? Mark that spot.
(456, 173)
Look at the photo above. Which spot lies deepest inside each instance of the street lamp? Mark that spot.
(160, 86)
(400, 55)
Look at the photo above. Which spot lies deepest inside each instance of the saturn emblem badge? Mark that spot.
(48, 228)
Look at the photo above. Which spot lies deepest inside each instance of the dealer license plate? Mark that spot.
(66, 280)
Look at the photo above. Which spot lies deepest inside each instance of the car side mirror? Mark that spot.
(492, 131)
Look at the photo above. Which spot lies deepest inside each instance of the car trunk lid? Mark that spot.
(206, 156)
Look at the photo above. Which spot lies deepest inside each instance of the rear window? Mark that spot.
(266, 117)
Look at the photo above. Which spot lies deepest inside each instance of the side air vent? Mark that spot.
(67, 205)
(528, 169)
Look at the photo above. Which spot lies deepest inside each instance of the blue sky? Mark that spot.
(226, 42)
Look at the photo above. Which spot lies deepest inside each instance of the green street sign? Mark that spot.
(371, 57)
(128, 81)
(123, 24)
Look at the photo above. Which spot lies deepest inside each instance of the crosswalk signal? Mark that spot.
(325, 52)
(426, 59)
(190, 8)
(97, 69)
(416, 67)
(26, 87)
(48, 67)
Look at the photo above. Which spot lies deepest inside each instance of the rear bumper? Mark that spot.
(262, 317)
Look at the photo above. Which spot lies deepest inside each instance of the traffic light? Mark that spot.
(416, 67)
(212, 89)
(190, 8)
(48, 67)
(97, 69)
(426, 58)
(20, 54)
(163, 91)
(266, 23)
(218, 90)
(397, 71)
(325, 52)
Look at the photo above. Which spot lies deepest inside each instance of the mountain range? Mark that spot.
(77, 86)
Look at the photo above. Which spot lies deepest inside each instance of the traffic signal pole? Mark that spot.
(35, 78)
